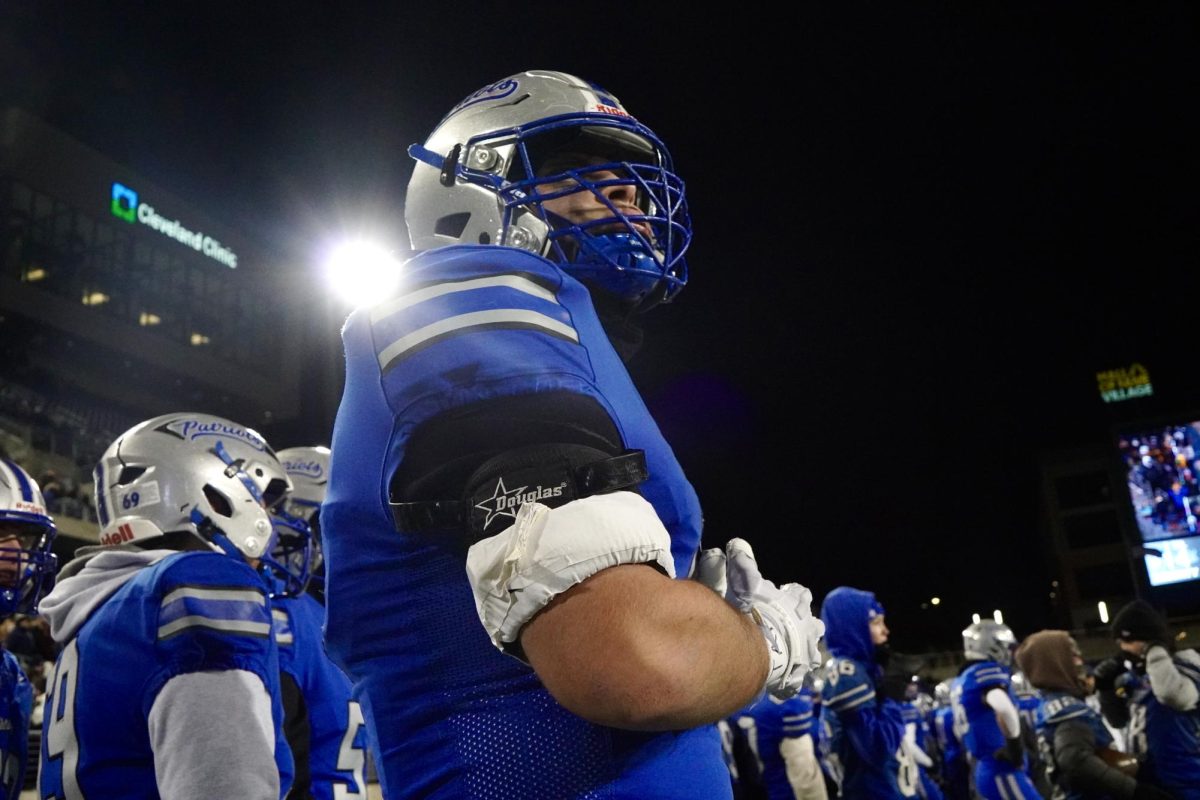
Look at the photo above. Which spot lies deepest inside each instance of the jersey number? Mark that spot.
(352, 759)
(59, 728)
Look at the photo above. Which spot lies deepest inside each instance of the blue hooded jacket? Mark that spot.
(871, 727)
(847, 614)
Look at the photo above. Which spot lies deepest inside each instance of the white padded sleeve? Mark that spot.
(515, 573)
(1006, 713)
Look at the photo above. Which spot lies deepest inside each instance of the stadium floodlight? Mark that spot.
(935, 600)
(1102, 607)
(362, 272)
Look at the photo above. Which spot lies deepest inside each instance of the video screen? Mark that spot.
(1162, 465)
(1179, 562)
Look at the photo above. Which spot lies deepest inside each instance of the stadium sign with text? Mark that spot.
(127, 206)
(1124, 384)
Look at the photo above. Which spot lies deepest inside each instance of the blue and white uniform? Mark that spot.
(1167, 738)
(953, 767)
(782, 736)
(450, 715)
(870, 728)
(17, 691)
(167, 684)
(332, 724)
(1060, 708)
(995, 779)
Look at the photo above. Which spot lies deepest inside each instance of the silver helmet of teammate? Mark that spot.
(989, 641)
(942, 693)
(205, 478)
(27, 565)
(308, 469)
(484, 173)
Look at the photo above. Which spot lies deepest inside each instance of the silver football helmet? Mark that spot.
(484, 173)
(205, 477)
(987, 640)
(308, 470)
(942, 693)
(27, 565)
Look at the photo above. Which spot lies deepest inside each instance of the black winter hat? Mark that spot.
(1139, 622)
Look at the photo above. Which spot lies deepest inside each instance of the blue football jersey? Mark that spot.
(191, 612)
(450, 716)
(868, 736)
(955, 778)
(1168, 740)
(766, 724)
(979, 730)
(337, 733)
(1057, 708)
(16, 706)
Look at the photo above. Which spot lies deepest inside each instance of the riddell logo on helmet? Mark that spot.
(618, 112)
(123, 533)
(28, 508)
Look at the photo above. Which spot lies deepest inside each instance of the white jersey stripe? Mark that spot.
(230, 625)
(244, 595)
(517, 282)
(499, 316)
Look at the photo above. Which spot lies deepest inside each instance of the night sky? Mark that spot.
(918, 233)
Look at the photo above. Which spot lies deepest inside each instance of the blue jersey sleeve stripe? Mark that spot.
(1065, 715)
(215, 593)
(238, 610)
(237, 626)
(521, 282)
(870, 698)
(509, 318)
(862, 690)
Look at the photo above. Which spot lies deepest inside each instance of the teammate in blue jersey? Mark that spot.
(27, 569)
(1081, 763)
(952, 756)
(870, 726)
(1157, 699)
(168, 681)
(986, 715)
(500, 499)
(782, 737)
(323, 725)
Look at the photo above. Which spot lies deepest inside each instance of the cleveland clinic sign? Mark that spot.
(126, 205)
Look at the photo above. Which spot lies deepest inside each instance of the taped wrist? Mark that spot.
(546, 551)
(791, 646)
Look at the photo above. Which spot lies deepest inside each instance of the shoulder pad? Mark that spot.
(847, 686)
(1060, 709)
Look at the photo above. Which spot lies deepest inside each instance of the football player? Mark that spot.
(168, 681)
(1080, 761)
(505, 523)
(986, 716)
(782, 737)
(27, 569)
(869, 727)
(323, 725)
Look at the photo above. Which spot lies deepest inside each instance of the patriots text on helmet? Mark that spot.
(309, 469)
(496, 91)
(194, 429)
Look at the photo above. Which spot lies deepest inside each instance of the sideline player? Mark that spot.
(324, 727)
(493, 463)
(986, 716)
(168, 681)
(27, 568)
(869, 727)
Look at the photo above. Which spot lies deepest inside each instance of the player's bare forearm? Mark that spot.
(632, 648)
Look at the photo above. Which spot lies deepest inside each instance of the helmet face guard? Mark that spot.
(27, 564)
(502, 155)
(288, 566)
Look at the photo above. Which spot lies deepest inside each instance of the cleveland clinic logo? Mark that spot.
(127, 206)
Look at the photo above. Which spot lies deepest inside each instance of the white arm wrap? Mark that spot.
(515, 573)
(1006, 713)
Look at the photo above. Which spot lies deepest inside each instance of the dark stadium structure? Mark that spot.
(119, 301)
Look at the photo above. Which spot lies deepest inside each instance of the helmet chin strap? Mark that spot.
(211, 533)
